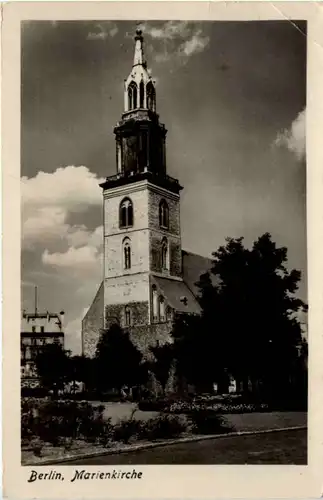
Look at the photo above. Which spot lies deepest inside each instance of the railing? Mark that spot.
(135, 176)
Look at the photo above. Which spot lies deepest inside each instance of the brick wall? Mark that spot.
(175, 254)
(114, 258)
(128, 288)
(92, 323)
(138, 194)
(116, 312)
(174, 210)
(145, 336)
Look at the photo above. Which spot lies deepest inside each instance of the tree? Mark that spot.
(193, 355)
(162, 364)
(255, 308)
(248, 327)
(52, 365)
(117, 360)
(82, 369)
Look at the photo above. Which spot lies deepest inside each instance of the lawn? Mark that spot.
(285, 447)
(40, 445)
(240, 422)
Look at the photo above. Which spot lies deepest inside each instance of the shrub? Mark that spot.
(163, 427)
(126, 429)
(51, 421)
(37, 447)
(153, 405)
(208, 422)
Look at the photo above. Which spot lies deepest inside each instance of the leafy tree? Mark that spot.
(248, 326)
(82, 369)
(256, 311)
(194, 358)
(117, 360)
(162, 364)
(53, 368)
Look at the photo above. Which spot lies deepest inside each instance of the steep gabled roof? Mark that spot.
(178, 295)
(193, 266)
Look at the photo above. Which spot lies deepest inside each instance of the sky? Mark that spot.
(233, 98)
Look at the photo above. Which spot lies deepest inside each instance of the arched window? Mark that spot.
(163, 214)
(127, 314)
(126, 213)
(168, 313)
(155, 304)
(132, 96)
(141, 94)
(126, 254)
(162, 309)
(164, 254)
(151, 96)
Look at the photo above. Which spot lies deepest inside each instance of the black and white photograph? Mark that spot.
(163, 247)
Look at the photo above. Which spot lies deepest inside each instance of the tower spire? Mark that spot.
(139, 58)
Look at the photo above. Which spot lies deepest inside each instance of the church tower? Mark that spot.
(147, 277)
(142, 237)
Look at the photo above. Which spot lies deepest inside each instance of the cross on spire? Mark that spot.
(139, 58)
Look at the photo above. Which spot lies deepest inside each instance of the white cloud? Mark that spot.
(74, 258)
(175, 38)
(48, 199)
(79, 236)
(102, 32)
(70, 254)
(169, 30)
(66, 187)
(44, 224)
(294, 138)
(194, 45)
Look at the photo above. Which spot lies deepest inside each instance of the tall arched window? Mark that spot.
(126, 213)
(127, 313)
(164, 254)
(151, 96)
(162, 317)
(155, 304)
(163, 214)
(126, 254)
(132, 96)
(141, 94)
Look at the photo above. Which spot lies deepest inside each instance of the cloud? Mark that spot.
(294, 138)
(196, 44)
(169, 30)
(103, 31)
(66, 186)
(180, 39)
(80, 258)
(80, 236)
(67, 253)
(84, 254)
(49, 198)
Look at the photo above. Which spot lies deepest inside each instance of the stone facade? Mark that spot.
(93, 323)
(143, 273)
(146, 336)
(117, 313)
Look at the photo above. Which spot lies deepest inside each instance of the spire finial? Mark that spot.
(139, 49)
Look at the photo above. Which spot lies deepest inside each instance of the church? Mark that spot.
(147, 276)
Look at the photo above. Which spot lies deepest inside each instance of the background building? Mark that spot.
(37, 330)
